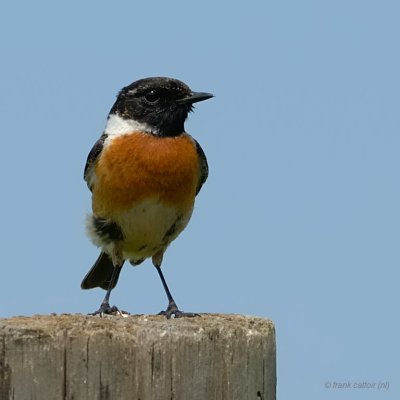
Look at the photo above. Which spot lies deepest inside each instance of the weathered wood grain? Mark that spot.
(142, 357)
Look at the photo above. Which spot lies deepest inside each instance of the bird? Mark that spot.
(144, 173)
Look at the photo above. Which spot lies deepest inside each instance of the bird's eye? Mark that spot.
(152, 96)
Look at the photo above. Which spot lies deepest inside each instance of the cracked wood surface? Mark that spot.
(139, 357)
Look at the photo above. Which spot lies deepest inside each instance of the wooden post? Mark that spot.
(141, 357)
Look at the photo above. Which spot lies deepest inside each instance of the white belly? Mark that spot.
(147, 228)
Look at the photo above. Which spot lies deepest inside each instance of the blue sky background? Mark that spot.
(299, 221)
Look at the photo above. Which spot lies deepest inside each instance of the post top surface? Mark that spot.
(78, 324)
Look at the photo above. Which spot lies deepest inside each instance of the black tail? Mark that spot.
(100, 274)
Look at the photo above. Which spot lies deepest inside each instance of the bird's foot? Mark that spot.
(106, 309)
(173, 311)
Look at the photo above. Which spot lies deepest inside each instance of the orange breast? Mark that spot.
(139, 166)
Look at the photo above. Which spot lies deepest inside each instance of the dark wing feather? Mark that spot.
(100, 274)
(203, 166)
(91, 160)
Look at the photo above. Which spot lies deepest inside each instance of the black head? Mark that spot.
(161, 103)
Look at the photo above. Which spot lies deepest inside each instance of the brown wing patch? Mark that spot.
(137, 166)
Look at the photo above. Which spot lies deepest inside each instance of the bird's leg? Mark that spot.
(172, 309)
(105, 307)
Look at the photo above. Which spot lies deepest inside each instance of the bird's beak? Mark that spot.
(194, 97)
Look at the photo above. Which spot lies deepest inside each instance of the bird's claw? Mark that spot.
(173, 311)
(106, 309)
